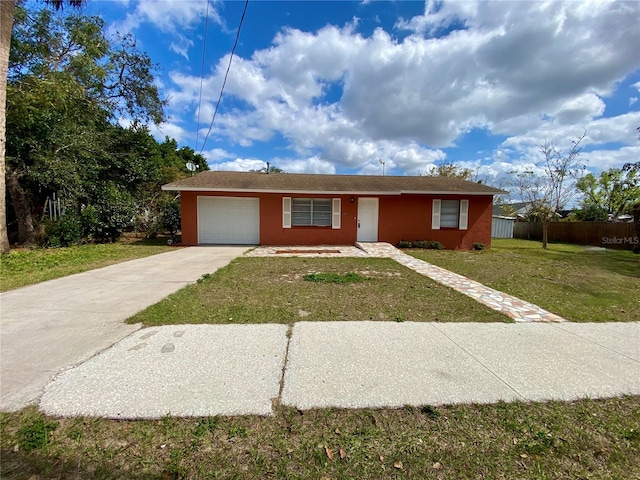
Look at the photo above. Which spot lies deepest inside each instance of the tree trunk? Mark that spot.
(545, 234)
(26, 232)
(7, 8)
(636, 222)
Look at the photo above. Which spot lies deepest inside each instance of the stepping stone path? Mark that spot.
(513, 307)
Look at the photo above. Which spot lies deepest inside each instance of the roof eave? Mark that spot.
(178, 188)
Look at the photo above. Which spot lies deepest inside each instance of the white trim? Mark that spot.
(286, 212)
(335, 214)
(323, 192)
(463, 221)
(435, 214)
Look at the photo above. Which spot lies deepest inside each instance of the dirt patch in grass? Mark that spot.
(581, 439)
(29, 266)
(273, 290)
(577, 283)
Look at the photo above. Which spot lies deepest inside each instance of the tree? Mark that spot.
(547, 194)
(67, 82)
(450, 170)
(268, 169)
(614, 191)
(7, 9)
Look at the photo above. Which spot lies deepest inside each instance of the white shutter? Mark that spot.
(435, 215)
(464, 214)
(286, 212)
(335, 214)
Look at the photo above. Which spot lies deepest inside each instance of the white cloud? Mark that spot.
(527, 70)
(171, 130)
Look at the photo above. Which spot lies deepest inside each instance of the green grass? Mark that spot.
(587, 439)
(273, 290)
(575, 282)
(27, 267)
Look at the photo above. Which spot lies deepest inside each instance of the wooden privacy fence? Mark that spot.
(599, 234)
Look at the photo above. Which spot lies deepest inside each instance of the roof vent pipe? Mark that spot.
(267, 168)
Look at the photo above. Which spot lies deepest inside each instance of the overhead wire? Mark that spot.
(204, 50)
(224, 82)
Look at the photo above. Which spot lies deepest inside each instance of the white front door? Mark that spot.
(367, 219)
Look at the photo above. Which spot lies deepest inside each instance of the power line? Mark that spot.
(204, 49)
(235, 44)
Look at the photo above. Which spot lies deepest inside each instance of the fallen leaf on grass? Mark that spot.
(437, 466)
(398, 465)
(329, 453)
(343, 453)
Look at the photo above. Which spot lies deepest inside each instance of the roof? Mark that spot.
(319, 184)
(510, 209)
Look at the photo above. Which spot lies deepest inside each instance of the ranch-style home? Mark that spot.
(304, 209)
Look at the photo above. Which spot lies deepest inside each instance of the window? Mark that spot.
(449, 211)
(311, 212)
(450, 214)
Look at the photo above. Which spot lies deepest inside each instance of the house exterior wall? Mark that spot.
(408, 217)
(400, 217)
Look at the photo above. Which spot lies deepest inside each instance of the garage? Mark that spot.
(229, 220)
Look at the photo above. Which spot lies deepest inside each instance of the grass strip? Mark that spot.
(590, 439)
(579, 283)
(24, 267)
(273, 290)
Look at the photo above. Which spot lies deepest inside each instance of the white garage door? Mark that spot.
(229, 220)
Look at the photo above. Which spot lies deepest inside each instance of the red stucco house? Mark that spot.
(302, 209)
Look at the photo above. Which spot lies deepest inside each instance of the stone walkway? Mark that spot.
(513, 307)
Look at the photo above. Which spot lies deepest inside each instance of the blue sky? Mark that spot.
(335, 87)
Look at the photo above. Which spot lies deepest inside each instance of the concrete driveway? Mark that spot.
(49, 327)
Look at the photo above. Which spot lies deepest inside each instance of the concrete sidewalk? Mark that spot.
(48, 327)
(198, 370)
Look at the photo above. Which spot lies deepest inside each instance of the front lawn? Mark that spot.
(576, 282)
(26, 267)
(274, 290)
(594, 439)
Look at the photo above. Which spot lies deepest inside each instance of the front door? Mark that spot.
(367, 219)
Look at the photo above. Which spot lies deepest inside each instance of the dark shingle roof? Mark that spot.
(311, 183)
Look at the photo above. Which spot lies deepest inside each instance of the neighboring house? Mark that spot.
(303, 209)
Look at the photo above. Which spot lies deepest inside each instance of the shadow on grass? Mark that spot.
(23, 465)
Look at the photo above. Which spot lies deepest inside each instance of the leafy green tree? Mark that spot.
(67, 85)
(592, 213)
(268, 169)
(7, 9)
(451, 170)
(614, 191)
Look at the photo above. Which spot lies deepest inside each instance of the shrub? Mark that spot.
(170, 215)
(428, 244)
(478, 246)
(66, 231)
(404, 244)
(114, 212)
